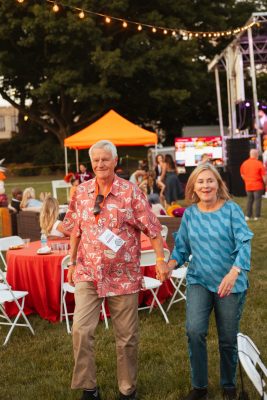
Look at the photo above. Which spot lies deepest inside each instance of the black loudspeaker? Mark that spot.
(237, 150)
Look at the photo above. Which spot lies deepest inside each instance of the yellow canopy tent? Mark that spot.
(113, 127)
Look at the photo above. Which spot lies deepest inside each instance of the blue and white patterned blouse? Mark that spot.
(216, 240)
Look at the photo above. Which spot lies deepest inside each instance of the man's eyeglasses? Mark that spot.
(99, 199)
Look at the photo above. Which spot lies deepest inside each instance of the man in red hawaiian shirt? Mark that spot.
(106, 217)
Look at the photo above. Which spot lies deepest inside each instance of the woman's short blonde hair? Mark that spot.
(190, 194)
(28, 193)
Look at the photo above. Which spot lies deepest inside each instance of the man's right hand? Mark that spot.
(70, 275)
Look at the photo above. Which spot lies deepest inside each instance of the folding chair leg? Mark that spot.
(66, 313)
(177, 290)
(160, 306)
(14, 323)
(104, 314)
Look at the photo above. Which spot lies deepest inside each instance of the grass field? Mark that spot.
(40, 366)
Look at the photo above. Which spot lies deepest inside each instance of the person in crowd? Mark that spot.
(49, 222)
(159, 186)
(173, 188)
(205, 158)
(106, 216)
(147, 183)
(83, 175)
(214, 236)
(28, 199)
(253, 173)
(156, 206)
(16, 199)
(137, 176)
(262, 127)
(74, 183)
(14, 208)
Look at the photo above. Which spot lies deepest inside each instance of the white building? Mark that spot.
(8, 122)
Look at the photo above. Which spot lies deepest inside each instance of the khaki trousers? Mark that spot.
(124, 314)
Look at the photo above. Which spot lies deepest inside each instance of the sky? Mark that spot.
(3, 102)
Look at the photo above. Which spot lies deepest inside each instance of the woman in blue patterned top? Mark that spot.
(214, 232)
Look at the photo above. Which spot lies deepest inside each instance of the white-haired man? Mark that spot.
(106, 216)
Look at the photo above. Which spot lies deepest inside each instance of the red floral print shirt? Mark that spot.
(125, 212)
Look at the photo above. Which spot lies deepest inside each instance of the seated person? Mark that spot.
(157, 208)
(29, 201)
(74, 183)
(49, 222)
(16, 199)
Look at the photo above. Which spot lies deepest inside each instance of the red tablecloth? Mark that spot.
(40, 275)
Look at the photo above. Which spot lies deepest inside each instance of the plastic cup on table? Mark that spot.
(26, 242)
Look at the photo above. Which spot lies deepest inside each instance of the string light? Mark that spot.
(81, 14)
(55, 7)
(163, 30)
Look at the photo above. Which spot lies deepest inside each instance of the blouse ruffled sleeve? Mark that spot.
(242, 236)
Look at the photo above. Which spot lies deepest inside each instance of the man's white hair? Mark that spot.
(106, 145)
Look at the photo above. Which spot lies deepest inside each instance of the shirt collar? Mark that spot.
(114, 188)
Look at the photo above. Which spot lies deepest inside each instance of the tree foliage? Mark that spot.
(65, 72)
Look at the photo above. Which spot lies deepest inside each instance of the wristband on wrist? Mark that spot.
(71, 263)
(237, 269)
(160, 258)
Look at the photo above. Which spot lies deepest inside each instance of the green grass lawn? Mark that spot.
(40, 366)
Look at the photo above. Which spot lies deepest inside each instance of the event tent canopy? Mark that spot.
(113, 127)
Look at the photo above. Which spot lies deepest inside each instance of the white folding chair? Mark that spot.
(67, 288)
(7, 242)
(177, 279)
(249, 357)
(164, 231)
(9, 295)
(148, 258)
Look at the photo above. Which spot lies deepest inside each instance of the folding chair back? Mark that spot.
(67, 288)
(9, 295)
(7, 242)
(249, 357)
(164, 231)
(148, 258)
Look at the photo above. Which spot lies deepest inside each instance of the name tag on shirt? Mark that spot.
(111, 240)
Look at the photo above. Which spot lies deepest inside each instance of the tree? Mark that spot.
(64, 72)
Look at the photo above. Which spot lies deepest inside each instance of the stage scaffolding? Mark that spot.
(247, 50)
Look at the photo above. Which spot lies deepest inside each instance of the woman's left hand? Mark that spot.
(227, 283)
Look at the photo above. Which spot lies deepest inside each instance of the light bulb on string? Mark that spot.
(107, 20)
(154, 30)
(81, 14)
(124, 24)
(165, 32)
(173, 33)
(55, 7)
(20, 1)
(139, 27)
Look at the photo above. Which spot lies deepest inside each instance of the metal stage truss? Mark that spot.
(247, 50)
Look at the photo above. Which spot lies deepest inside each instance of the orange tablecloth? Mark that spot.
(40, 275)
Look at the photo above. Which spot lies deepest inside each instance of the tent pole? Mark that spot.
(77, 160)
(66, 160)
(219, 100)
(254, 87)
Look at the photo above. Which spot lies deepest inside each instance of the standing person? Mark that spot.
(253, 174)
(106, 216)
(214, 232)
(14, 208)
(173, 188)
(83, 175)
